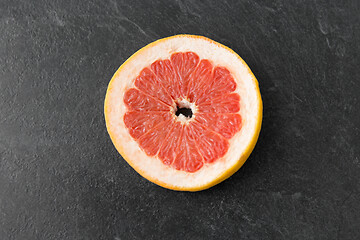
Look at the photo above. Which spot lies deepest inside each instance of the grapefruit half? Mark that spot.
(184, 111)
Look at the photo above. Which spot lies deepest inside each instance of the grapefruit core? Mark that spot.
(184, 111)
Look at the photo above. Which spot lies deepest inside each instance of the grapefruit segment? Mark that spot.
(221, 83)
(168, 149)
(185, 112)
(166, 75)
(146, 82)
(188, 157)
(153, 139)
(228, 103)
(226, 124)
(199, 79)
(184, 64)
(139, 123)
(136, 100)
(211, 145)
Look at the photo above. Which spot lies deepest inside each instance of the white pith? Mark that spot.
(184, 103)
(152, 166)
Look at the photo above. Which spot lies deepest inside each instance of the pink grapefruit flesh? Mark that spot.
(203, 139)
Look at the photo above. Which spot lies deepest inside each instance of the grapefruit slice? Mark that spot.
(184, 111)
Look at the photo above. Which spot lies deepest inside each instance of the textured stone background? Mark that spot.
(61, 178)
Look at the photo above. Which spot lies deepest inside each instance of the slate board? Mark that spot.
(61, 177)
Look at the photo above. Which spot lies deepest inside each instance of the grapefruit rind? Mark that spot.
(151, 168)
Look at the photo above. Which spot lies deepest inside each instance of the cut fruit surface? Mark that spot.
(185, 112)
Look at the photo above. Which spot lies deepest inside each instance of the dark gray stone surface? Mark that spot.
(61, 178)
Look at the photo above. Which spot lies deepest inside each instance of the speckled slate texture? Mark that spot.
(61, 177)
